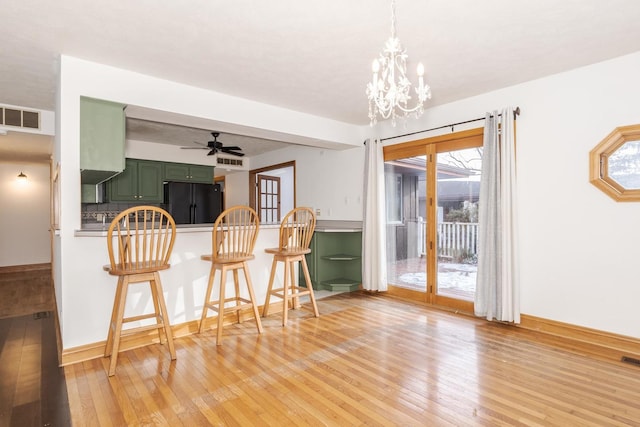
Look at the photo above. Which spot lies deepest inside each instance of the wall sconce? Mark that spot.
(22, 177)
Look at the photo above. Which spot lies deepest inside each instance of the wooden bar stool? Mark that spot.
(296, 231)
(233, 239)
(144, 237)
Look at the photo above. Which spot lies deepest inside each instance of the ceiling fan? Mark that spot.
(216, 146)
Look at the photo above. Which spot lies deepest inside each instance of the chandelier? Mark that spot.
(389, 90)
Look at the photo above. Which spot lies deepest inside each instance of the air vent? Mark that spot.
(19, 118)
(631, 360)
(227, 161)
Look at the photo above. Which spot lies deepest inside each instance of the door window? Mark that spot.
(269, 199)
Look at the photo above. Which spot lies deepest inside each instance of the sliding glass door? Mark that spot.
(457, 194)
(405, 183)
(432, 191)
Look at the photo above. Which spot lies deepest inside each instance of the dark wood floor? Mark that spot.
(33, 391)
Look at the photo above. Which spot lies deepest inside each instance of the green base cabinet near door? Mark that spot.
(141, 181)
(335, 261)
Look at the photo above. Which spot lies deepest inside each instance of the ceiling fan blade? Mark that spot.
(212, 152)
(233, 153)
(234, 148)
(199, 147)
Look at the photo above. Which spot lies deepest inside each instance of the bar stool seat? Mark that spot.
(296, 231)
(233, 239)
(145, 236)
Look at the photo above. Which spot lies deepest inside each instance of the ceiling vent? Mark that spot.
(19, 118)
(226, 161)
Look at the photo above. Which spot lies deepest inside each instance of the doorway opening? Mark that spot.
(272, 191)
(220, 180)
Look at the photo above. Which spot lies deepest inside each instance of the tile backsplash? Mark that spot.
(90, 212)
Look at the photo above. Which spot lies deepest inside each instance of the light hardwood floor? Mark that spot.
(368, 360)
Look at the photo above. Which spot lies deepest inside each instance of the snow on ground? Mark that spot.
(458, 276)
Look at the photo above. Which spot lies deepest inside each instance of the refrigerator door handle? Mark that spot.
(193, 217)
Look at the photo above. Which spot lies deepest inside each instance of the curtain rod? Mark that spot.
(516, 112)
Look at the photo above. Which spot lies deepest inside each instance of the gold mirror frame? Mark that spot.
(598, 164)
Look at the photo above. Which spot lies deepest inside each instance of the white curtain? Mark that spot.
(498, 285)
(374, 256)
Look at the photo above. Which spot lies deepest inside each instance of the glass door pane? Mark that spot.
(406, 209)
(458, 188)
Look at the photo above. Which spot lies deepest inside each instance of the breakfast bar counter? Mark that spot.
(88, 299)
(91, 298)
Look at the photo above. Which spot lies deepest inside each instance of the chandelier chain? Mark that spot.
(393, 18)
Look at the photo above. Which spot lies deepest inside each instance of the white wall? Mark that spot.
(329, 180)
(24, 214)
(236, 189)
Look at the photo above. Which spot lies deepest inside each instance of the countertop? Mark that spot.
(330, 226)
(324, 226)
(97, 230)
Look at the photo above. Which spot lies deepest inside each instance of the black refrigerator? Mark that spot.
(190, 203)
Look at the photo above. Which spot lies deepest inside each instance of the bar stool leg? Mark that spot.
(286, 295)
(294, 284)
(265, 309)
(118, 325)
(307, 278)
(165, 323)
(252, 296)
(114, 315)
(236, 285)
(158, 313)
(223, 281)
(207, 299)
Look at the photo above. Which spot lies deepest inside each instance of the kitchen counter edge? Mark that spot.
(186, 228)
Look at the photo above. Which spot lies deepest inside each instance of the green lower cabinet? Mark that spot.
(141, 181)
(335, 261)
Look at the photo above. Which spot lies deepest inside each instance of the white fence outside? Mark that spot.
(455, 239)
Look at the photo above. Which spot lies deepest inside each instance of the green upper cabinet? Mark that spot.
(141, 181)
(188, 173)
(102, 139)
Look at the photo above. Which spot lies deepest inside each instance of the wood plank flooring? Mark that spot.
(25, 292)
(368, 360)
(32, 386)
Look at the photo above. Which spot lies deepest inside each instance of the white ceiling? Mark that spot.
(184, 136)
(310, 56)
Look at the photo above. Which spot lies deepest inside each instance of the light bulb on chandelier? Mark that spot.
(389, 90)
